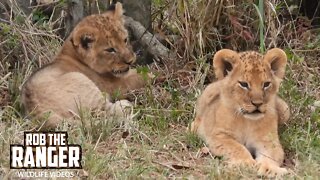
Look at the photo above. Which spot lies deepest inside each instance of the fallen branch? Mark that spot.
(154, 46)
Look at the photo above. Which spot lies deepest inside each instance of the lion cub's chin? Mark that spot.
(254, 116)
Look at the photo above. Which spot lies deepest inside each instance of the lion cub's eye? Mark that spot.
(244, 85)
(111, 50)
(126, 40)
(266, 85)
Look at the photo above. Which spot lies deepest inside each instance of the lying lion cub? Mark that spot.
(238, 115)
(95, 58)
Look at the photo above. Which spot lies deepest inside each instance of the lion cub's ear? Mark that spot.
(116, 9)
(118, 12)
(224, 62)
(277, 59)
(84, 36)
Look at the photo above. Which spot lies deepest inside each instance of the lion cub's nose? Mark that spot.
(257, 103)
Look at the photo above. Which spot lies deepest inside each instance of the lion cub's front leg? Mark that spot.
(270, 156)
(221, 144)
(133, 80)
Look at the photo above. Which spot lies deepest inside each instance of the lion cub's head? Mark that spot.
(101, 42)
(251, 80)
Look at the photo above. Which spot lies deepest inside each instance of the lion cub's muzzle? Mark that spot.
(254, 111)
(129, 58)
(124, 66)
(130, 61)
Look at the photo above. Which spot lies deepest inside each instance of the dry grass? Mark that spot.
(159, 145)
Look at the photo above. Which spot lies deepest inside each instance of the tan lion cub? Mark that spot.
(94, 59)
(238, 115)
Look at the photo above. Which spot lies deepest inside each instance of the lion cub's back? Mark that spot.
(50, 89)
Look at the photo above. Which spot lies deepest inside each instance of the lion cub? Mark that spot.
(238, 115)
(94, 59)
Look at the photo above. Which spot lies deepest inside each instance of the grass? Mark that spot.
(260, 11)
(159, 145)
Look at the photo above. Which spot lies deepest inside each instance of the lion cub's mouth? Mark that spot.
(120, 72)
(254, 115)
(257, 111)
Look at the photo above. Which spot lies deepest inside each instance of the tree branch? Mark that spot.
(147, 39)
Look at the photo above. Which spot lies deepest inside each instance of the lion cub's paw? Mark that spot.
(271, 170)
(121, 109)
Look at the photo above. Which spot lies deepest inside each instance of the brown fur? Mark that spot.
(238, 115)
(95, 58)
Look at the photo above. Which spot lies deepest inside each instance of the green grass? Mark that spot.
(159, 145)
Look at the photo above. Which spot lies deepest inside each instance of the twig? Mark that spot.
(97, 141)
(165, 165)
(5, 77)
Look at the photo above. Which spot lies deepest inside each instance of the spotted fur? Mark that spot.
(239, 113)
(92, 64)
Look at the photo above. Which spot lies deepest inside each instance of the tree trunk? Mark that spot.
(75, 12)
(139, 10)
(311, 9)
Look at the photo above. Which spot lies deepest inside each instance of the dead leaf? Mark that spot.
(179, 166)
